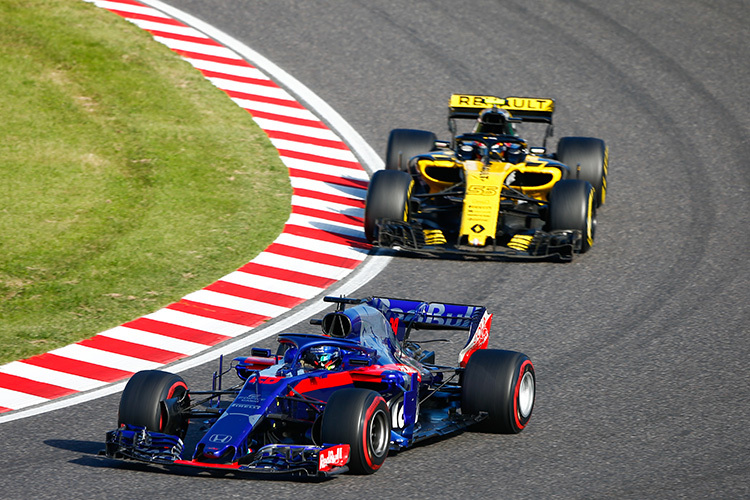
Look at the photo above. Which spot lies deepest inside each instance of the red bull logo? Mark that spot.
(336, 456)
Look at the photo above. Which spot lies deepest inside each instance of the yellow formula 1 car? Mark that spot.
(486, 192)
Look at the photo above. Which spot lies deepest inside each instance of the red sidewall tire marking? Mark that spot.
(170, 394)
(521, 373)
(367, 430)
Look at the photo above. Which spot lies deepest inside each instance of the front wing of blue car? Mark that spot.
(137, 443)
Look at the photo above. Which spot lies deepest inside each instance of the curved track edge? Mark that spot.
(322, 242)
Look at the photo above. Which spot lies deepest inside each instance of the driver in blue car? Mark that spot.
(322, 357)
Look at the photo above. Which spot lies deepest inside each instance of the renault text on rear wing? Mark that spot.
(525, 108)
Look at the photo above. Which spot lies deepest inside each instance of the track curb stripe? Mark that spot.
(75, 367)
(329, 186)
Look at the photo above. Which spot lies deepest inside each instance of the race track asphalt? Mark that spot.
(640, 345)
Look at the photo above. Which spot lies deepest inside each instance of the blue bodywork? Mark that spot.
(272, 421)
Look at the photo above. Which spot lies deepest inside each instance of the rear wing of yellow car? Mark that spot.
(531, 109)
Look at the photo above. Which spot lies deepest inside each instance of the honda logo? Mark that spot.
(220, 438)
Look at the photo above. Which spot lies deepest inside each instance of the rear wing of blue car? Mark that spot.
(407, 315)
(421, 315)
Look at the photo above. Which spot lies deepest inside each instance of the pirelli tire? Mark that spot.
(572, 206)
(587, 158)
(404, 144)
(152, 399)
(359, 418)
(501, 384)
(387, 198)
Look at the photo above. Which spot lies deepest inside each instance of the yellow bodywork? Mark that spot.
(484, 184)
(481, 202)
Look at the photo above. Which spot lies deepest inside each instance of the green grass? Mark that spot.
(128, 180)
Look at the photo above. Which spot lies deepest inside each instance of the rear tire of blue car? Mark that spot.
(150, 400)
(387, 198)
(572, 206)
(404, 144)
(501, 384)
(587, 158)
(359, 418)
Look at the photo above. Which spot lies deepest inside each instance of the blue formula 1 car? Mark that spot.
(331, 403)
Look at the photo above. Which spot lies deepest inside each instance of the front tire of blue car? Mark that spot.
(359, 418)
(151, 399)
(501, 384)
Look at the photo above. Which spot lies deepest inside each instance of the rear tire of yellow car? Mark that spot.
(387, 198)
(587, 158)
(572, 205)
(404, 144)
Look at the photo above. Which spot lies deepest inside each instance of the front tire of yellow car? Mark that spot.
(387, 198)
(572, 206)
